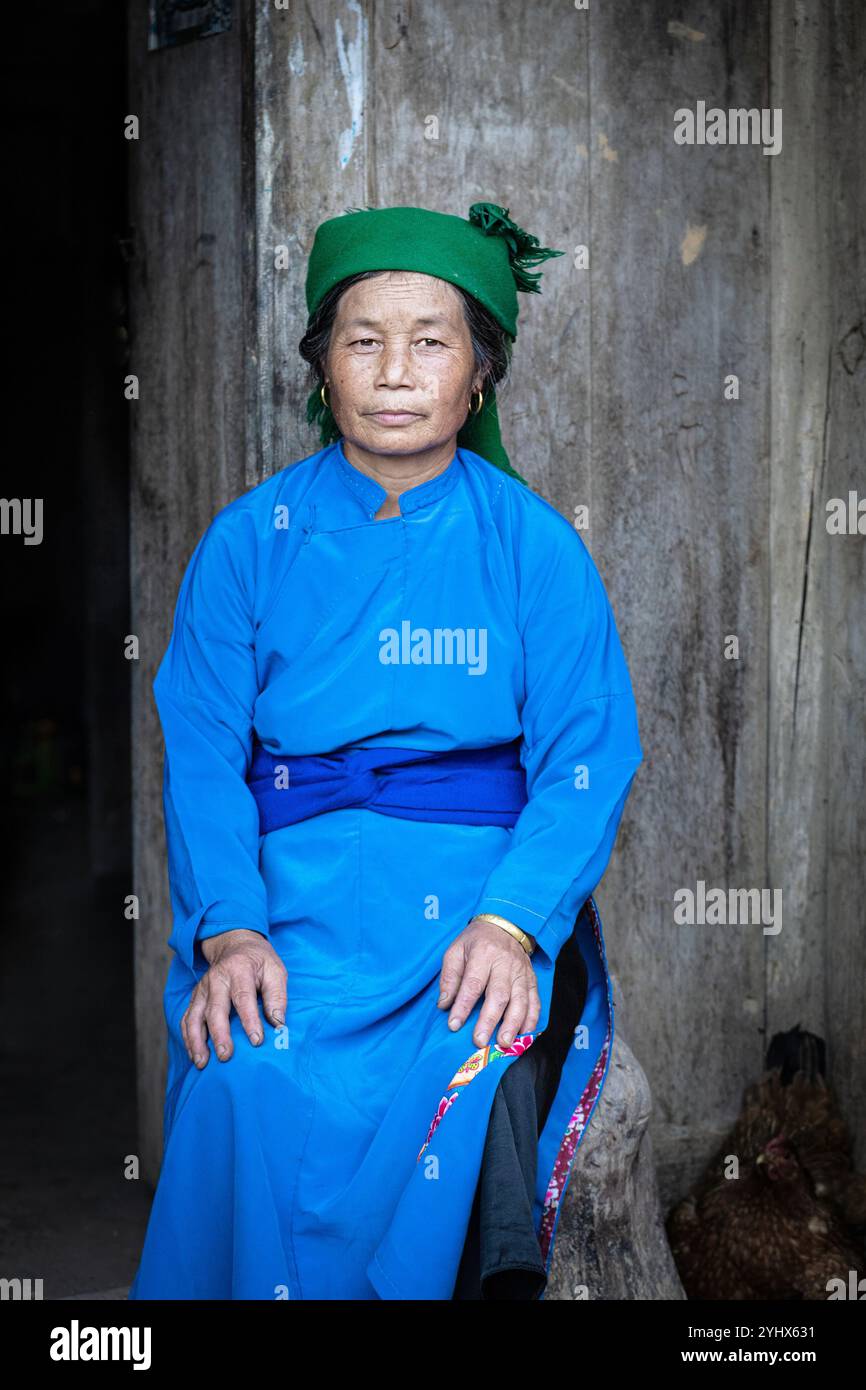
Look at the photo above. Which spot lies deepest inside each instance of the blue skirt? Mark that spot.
(357, 1153)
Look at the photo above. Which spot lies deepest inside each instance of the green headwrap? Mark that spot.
(487, 255)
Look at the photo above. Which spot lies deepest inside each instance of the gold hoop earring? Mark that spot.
(322, 394)
(480, 395)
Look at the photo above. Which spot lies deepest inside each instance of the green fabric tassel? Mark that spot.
(524, 249)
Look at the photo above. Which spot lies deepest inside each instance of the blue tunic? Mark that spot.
(339, 1158)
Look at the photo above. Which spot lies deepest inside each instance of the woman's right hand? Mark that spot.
(243, 964)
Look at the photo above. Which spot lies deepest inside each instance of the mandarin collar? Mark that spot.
(372, 494)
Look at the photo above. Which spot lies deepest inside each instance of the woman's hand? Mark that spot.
(243, 964)
(485, 959)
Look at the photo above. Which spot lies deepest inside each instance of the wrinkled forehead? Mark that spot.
(399, 297)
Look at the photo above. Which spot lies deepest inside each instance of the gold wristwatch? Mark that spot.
(527, 942)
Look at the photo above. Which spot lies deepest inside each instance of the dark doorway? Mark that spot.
(69, 1215)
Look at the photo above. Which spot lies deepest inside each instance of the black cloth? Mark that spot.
(501, 1255)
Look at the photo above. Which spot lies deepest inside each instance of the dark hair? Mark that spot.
(491, 344)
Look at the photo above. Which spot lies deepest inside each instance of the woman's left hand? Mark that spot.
(486, 960)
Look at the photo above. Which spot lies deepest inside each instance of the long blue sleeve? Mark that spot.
(205, 691)
(581, 745)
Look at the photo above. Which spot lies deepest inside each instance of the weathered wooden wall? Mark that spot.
(706, 515)
(188, 428)
(816, 969)
(680, 515)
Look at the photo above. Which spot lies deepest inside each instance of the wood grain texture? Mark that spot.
(816, 968)
(679, 515)
(187, 431)
(610, 1240)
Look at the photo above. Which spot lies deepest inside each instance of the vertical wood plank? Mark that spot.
(818, 668)
(187, 430)
(679, 243)
(844, 920)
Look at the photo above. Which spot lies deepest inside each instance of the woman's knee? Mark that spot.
(266, 1061)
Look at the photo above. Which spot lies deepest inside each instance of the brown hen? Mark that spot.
(794, 1218)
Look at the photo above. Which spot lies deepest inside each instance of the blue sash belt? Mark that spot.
(469, 786)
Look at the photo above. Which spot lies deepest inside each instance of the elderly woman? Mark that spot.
(399, 734)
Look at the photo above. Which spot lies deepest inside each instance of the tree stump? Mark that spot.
(611, 1241)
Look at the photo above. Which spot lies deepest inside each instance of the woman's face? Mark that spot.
(400, 366)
